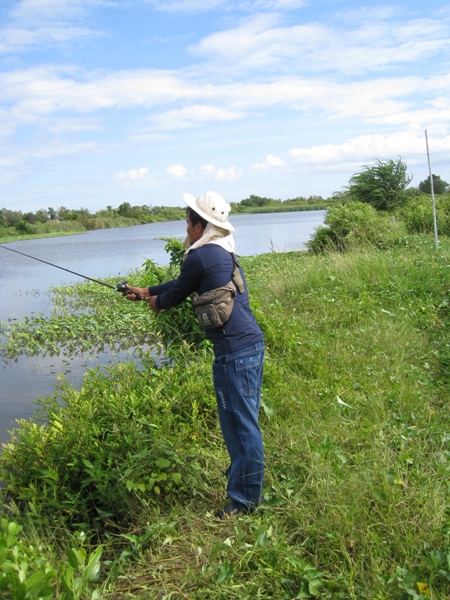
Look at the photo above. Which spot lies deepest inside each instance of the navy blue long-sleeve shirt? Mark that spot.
(204, 269)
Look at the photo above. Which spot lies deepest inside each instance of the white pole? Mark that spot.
(432, 195)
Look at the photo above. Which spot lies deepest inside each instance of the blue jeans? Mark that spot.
(237, 382)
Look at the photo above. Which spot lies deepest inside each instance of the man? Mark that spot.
(238, 344)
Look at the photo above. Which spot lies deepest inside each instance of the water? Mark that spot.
(25, 285)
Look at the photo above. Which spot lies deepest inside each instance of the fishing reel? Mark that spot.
(122, 287)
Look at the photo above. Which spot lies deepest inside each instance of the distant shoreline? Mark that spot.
(121, 223)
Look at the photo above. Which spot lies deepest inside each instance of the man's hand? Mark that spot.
(134, 293)
(152, 304)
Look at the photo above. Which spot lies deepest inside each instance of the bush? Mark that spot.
(353, 224)
(179, 324)
(418, 215)
(26, 571)
(100, 457)
(24, 227)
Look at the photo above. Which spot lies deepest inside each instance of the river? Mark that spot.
(26, 283)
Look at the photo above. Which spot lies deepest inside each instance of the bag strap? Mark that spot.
(236, 277)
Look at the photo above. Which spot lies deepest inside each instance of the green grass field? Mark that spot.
(357, 437)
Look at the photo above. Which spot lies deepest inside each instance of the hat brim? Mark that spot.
(191, 201)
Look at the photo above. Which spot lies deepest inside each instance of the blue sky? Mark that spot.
(139, 101)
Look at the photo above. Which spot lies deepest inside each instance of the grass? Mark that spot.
(356, 430)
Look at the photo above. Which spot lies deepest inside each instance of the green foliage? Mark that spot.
(350, 225)
(178, 325)
(258, 201)
(63, 220)
(417, 215)
(439, 185)
(24, 227)
(71, 330)
(119, 324)
(99, 456)
(355, 426)
(381, 185)
(80, 572)
(27, 572)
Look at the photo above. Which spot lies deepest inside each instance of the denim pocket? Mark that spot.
(248, 373)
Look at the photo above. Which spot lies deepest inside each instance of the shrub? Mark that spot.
(352, 224)
(99, 457)
(24, 227)
(27, 572)
(418, 215)
(178, 325)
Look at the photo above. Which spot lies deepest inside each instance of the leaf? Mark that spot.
(14, 528)
(264, 537)
(423, 588)
(225, 572)
(268, 409)
(162, 463)
(72, 558)
(342, 403)
(93, 567)
(176, 478)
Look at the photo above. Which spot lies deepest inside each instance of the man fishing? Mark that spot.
(209, 266)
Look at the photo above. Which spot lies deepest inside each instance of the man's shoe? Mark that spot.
(231, 511)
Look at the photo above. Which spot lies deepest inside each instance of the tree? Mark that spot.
(24, 227)
(381, 185)
(439, 186)
(12, 217)
(124, 209)
(30, 217)
(258, 201)
(41, 216)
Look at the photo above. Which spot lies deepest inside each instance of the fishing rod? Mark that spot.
(119, 287)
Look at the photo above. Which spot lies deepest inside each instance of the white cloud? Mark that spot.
(32, 94)
(177, 171)
(17, 39)
(270, 162)
(372, 44)
(225, 5)
(220, 174)
(211, 172)
(40, 10)
(339, 90)
(368, 148)
(131, 175)
(192, 116)
(14, 163)
(41, 23)
(186, 5)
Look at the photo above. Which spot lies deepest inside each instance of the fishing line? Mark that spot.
(117, 288)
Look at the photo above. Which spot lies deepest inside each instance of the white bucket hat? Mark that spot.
(212, 207)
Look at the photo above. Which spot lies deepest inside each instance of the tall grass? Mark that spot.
(357, 438)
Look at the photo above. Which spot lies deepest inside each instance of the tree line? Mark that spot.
(28, 222)
(384, 185)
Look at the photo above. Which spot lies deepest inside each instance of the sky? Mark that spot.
(111, 101)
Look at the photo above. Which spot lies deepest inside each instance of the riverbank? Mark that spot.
(74, 228)
(356, 434)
